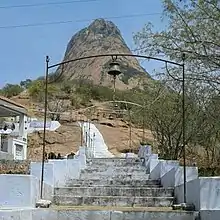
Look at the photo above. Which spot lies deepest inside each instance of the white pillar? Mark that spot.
(21, 126)
(23, 134)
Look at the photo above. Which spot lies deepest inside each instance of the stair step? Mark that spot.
(119, 213)
(115, 182)
(81, 185)
(114, 191)
(114, 162)
(111, 208)
(114, 201)
(123, 176)
(114, 159)
(125, 213)
(93, 169)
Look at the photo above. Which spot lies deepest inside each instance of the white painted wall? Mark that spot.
(191, 174)
(36, 169)
(203, 192)
(6, 156)
(17, 214)
(192, 193)
(96, 146)
(144, 151)
(152, 164)
(18, 190)
(209, 214)
(209, 193)
(168, 180)
(58, 172)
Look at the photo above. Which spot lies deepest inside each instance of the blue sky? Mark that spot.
(23, 50)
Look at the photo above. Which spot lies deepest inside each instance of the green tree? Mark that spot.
(10, 90)
(26, 83)
(37, 88)
(193, 29)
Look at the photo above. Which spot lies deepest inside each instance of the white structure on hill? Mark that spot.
(13, 143)
(94, 142)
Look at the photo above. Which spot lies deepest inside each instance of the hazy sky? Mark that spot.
(23, 49)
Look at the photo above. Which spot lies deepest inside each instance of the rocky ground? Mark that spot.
(67, 138)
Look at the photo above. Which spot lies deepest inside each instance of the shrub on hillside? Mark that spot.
(37, 88)
(11, 90)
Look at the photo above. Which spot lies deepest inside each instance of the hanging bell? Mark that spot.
(114, 69)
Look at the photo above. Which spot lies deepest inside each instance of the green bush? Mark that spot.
(37, 88)
(11, 90)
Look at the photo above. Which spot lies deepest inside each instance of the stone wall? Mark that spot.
(6, 156)
(14, 166)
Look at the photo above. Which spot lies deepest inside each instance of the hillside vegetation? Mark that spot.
(161, 114)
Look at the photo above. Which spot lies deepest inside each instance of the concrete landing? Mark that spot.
(122, 213)
(97, 213)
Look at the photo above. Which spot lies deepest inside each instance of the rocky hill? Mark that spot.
(101, 37)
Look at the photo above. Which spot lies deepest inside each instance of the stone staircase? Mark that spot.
(116, 189)
(114, 182)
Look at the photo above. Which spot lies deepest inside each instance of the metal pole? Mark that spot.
(114, 80)
(86, 139)
(129, 113)
(45, 122)
(183, 127)
(81, 133)
(143, 137)
(89, 136)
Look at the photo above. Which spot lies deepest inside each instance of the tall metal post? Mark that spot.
(81, 133)
(114, 81)
(89, 135)
(86, 139)
(143, 135)
(184, 129)
(45, 123)
(130, 132)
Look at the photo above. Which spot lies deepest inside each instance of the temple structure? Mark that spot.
(13, 138)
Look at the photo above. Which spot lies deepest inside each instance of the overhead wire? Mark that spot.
(46, 4)
(74, 21)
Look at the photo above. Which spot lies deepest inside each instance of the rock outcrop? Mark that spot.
(101, 37)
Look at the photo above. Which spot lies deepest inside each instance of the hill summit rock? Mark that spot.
(101, 37)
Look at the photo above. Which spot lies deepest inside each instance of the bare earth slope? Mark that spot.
(67, 138)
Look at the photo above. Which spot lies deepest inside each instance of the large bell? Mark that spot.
(114, 69)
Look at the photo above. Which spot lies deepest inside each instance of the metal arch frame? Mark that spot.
(117, 55)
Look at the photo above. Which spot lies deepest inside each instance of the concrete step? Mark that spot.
(119, 213)
(114, 162)
(114, 191)
(120, 166)
(115, 173)
(114, 182)
(114, 159)
(124, 176)
(105, 168)
(127, 201)
(90, 184)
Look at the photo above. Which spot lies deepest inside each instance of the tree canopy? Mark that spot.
(193, 29)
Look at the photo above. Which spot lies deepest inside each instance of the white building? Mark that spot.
(13, 142)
